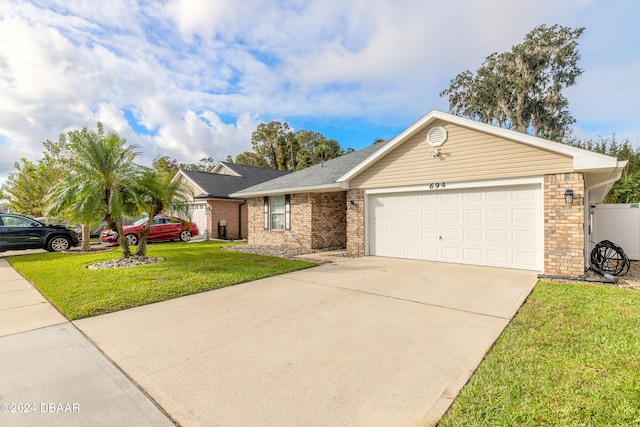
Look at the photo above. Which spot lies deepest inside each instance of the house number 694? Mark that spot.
(436, 185)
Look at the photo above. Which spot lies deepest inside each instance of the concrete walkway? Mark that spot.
(359, 342)
(52, 375)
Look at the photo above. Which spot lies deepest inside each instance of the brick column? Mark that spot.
(564, 225)
(355, 222)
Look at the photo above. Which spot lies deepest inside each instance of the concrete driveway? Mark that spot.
(360, 342)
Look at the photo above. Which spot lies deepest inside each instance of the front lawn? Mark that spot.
(570, 357)
(188, 268)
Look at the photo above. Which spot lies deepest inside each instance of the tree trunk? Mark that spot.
(141, 250)
(116, 224)
(86, 237)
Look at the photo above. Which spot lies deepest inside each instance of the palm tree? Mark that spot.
(157, 194)
(101, 182)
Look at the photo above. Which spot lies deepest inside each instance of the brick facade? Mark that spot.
(318, 220)
(228, 210)
(329, 224)
(564, 225)
(324, 220)
(355, 222)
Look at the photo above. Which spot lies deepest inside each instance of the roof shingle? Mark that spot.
(320, 175)
(221, 186)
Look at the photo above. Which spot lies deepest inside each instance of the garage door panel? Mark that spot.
(487, 226)
(472, 215)
(524, 260)
(451, 254)
(429, 233)
(522, 237)
(497, 236)
(527, 195)
(472, 197)
(394, 232)
(411, 250)
(473, 236)
(497, 256)
(525, 215)
(450, 215)
(429, 215)
(411, 233)
(411, 215)
(450, 198)
(497, 215)
(473, 256)
(451, 234)
(497, 196)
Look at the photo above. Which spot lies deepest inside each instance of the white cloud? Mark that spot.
(197, 76)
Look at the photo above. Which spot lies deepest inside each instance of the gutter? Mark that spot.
(290, 190)
(240, 219)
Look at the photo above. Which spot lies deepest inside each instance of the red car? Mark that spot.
(163, 228)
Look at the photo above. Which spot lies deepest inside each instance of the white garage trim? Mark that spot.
(460, 185)
(498, 223)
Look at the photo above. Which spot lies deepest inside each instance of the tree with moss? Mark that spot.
(522, 89)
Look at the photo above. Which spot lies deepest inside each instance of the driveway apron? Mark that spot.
(359, 342)
(52, 375)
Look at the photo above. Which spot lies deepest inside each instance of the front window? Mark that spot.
(277, 213)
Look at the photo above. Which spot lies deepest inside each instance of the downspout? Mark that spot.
(587, 209)
(240, 219)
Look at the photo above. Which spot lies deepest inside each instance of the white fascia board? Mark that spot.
(460, 185)
(390, 146)
(177, 175)
(583, 160)
(326, 188)
(217, 167)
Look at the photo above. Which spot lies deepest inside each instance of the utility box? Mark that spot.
(222, 229)
(618, 223)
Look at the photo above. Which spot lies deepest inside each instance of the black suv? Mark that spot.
(20, 232)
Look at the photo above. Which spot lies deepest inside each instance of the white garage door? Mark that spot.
(499, 226)
(199, 216)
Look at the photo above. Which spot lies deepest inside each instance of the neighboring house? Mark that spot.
(212, 205)
(446, 189)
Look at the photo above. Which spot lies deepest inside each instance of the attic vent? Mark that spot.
(436, 136)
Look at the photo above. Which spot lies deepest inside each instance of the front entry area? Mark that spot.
(495, 226)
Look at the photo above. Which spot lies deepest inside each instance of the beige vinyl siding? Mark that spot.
(467, 155)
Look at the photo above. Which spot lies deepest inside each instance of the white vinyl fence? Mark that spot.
(620, 224)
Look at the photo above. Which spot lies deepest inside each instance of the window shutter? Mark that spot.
(287, 212)
(266, 212)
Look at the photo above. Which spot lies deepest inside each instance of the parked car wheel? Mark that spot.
(133, 240)
(185, 235)
(58, 244)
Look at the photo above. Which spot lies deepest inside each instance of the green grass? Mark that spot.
(188, 268)
(570, 357)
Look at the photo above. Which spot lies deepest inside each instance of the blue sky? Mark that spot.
(194, 78)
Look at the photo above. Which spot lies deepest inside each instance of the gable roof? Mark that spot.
(583, 160)
(602, 170)
(320, 177)
(220, 186)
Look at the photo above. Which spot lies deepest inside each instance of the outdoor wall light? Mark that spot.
(568, 196)
(352, 204)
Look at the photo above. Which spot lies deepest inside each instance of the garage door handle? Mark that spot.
(440, 237)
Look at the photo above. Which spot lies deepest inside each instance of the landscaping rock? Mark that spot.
(132, 261)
